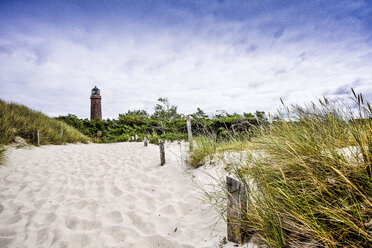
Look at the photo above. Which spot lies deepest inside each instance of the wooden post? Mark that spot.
(38, 137)
(162, 152)
(145, 141)
(189, 132)
(162, 127)
(136, 136)
(236, 206)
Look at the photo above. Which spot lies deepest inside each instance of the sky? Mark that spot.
(237, 56)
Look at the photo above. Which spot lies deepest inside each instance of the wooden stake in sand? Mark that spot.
(236, 206)
(189, 132)
(162, 152)
(145, 141)
(38, 137)
(99, 134)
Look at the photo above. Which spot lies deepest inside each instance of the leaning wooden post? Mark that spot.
(99, 134)
(189, 132)
(162, 152)
(145, 141)
(38, 137)
(236, 207)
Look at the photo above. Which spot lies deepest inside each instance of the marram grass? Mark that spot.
(208, 147)
(19, 120)
(309, 181)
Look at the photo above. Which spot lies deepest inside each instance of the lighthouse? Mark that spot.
(95, 104)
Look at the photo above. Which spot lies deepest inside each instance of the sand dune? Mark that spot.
(102, 195)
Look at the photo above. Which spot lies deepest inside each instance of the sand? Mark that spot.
(103, 195)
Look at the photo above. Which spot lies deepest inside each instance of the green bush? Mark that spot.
(166, 123)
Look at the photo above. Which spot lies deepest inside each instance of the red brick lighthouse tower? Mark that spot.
(95, 104)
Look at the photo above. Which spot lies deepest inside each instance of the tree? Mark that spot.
(260, 115)
(139, 113)
(199, 114)
(248, 116)
(165, 111)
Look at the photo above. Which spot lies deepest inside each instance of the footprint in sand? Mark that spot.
(7, 232)
(138, 221)
(117, 233)
(78, 192)
(75, 223)
(116, 192)
(50, 217)
(14, 219)
(79, 240)
(129, 198)
(5, 242)
(40, 203)
(42, 236)
(167, 210)
(56, 236)
(114, 217)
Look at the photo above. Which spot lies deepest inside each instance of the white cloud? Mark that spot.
(53, 70)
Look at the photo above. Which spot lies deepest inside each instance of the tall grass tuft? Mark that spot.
(19, 120)
(2, 150)
(309, 179)
(209, 147)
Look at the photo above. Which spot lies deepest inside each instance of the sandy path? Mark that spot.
(101, 195)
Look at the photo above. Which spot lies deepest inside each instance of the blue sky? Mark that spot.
(239, 56)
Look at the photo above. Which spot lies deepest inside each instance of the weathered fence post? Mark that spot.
(236, 206)
(99, 134)
(189, 133)
(145, 141)
(38, 137)
(162, 152)
(61, 132)
(162, 127)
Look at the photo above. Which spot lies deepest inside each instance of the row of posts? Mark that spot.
(38, 136)
(161, 142)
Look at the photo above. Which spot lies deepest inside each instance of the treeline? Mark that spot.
(165, 123)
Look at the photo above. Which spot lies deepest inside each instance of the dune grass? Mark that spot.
(19, 120)
(309, 179)
(209, 147)
(2, 150)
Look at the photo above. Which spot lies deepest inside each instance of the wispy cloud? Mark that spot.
(211, 56)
